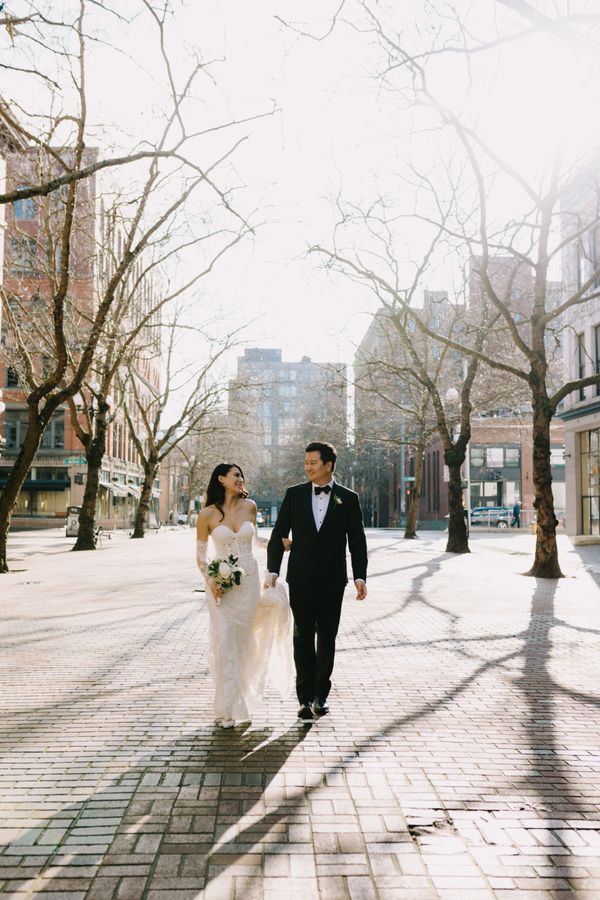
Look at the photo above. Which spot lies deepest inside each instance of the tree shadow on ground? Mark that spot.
(209, 802)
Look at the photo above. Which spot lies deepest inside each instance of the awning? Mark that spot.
(118, 489)
(42, 484)
(134, 490)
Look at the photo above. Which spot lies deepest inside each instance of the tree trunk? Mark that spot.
(14, 483)
(545, 564)
(458, 541)
(412, 513)
(141, 516)
(94, 454)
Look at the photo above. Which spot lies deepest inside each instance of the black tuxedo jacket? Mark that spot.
(319, 553)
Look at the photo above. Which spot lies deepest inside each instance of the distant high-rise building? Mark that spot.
(277, 407)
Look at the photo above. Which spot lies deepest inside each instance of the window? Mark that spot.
(477, 457)
(47, 366)
(51, 473)
(12, 378)
(15, 426)
(54, 435)
(494, 457)
(593, 237)
(511, 456)
(581, 362)
(25, 209)
(23, 255)
(582, 265)
(590, 481)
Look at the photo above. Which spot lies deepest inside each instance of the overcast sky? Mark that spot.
(337, 132)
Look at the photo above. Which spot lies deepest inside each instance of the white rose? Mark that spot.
(225, 570)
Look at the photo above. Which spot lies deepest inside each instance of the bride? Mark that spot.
(249, 633)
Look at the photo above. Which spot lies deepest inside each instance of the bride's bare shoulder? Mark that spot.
(206, 517)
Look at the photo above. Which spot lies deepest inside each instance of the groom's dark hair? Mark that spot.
(327, 451)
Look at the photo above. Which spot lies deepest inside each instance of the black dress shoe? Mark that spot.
(305, 712)
(319, 707)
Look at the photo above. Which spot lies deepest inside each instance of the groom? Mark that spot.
(320, 515)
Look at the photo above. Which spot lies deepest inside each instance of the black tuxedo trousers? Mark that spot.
(316, 609)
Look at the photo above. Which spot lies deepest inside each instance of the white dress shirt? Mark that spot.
(320, 503)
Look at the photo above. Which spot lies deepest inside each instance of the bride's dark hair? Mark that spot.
(215, 492)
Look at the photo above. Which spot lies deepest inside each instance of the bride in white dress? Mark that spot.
(250, 633)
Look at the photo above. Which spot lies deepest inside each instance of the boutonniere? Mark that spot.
(337, 500)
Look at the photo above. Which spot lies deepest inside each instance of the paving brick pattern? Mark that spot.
(461, 759)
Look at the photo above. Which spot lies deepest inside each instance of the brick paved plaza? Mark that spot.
(461, 758)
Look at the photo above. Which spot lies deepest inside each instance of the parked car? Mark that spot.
(496, 516)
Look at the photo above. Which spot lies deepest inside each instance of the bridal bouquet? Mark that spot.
(225, 573)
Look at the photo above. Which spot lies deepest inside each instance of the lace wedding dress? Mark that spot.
(250, 635)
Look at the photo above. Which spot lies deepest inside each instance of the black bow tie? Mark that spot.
(325, 490)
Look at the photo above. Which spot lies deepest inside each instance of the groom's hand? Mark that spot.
(361, 589)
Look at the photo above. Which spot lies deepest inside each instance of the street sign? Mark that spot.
(74, 461)
(408, 477)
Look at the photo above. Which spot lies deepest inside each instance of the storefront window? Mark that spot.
(589, 443)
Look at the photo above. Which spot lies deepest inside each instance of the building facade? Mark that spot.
(498, 470)
(30, 271)
(580, 410)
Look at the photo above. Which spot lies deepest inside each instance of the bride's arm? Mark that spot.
(202, 534)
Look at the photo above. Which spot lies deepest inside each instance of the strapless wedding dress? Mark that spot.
(249, 641)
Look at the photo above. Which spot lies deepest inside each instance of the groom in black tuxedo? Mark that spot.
(321, 516)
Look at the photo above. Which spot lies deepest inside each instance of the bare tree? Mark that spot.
(131, 340)
(159, 192)
(196, 388)
(471, 224)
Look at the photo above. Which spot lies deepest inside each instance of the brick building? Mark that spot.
(500, 460)
(30, 269)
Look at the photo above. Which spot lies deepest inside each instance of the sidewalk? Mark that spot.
(461, 758)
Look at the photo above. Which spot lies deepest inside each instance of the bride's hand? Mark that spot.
(215, 590)
(287, 543)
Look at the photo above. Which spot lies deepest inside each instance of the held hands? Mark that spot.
(361, 589)
(270, 577)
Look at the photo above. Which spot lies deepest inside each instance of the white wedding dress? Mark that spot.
(250, 638)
